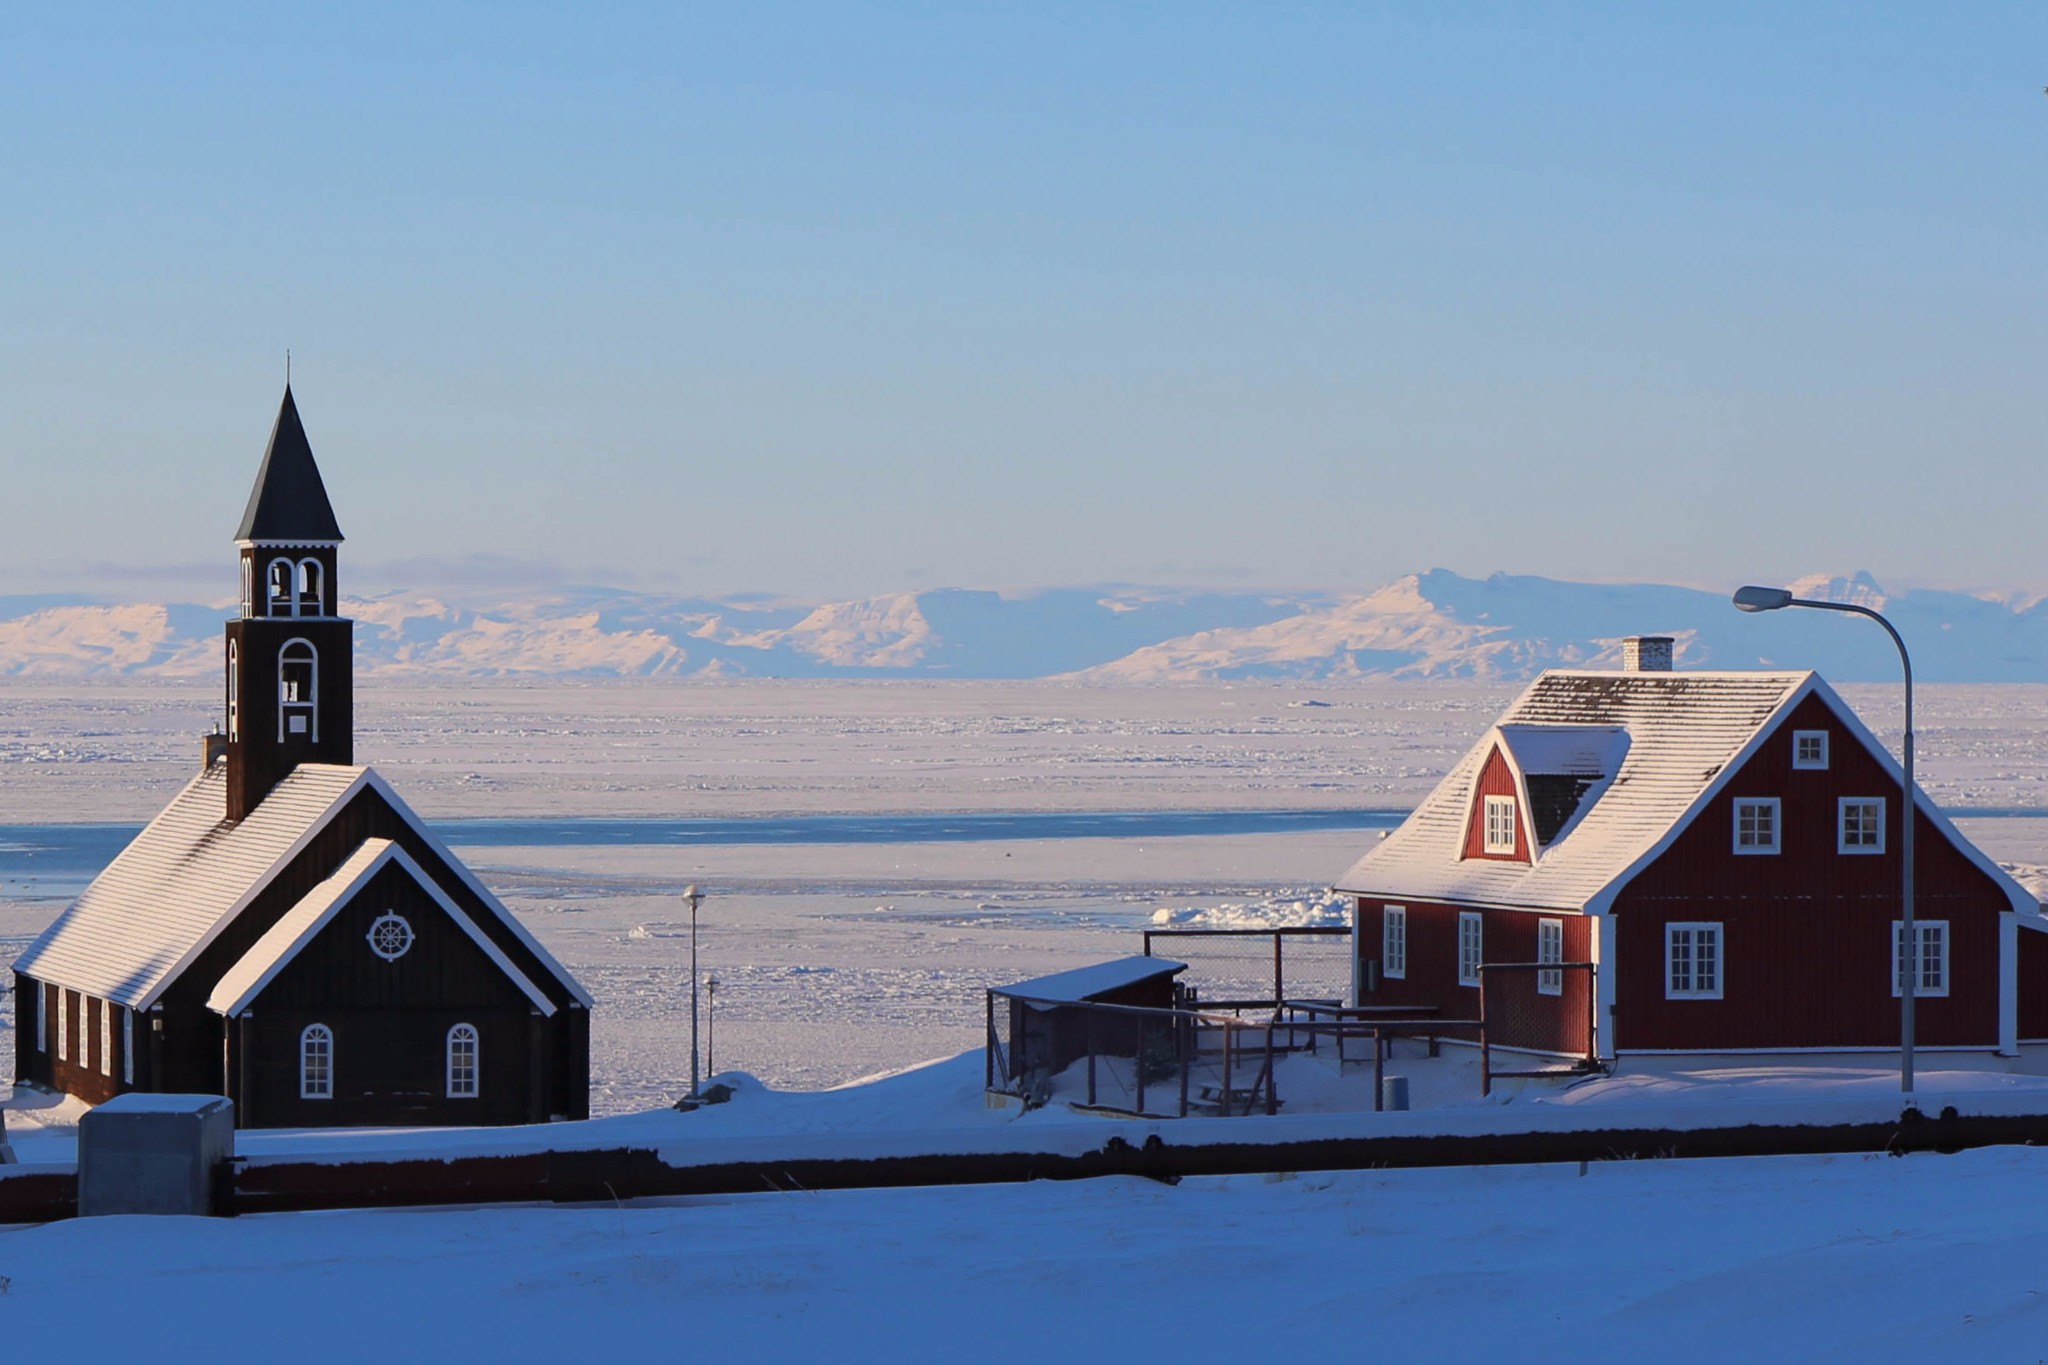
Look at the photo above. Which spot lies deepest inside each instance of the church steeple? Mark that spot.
(289, 692)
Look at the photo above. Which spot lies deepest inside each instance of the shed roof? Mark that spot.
(289, 502)
(242, 983)
(1088, 983)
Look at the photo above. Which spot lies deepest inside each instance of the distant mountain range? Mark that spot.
(1428, 625)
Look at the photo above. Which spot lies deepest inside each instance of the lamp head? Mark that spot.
(1762, 599)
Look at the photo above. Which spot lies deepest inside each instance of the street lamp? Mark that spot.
(1771, 599)
(693, 896)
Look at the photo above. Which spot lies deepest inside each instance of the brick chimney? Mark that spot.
(1646, 654)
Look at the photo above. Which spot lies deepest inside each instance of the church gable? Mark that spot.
(378, 934)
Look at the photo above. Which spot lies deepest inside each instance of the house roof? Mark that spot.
(289, 502)
(1680, 737)
(1086, 983)
(242, 983)
(190, 872)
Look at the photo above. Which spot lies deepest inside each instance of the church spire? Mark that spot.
(289, 502)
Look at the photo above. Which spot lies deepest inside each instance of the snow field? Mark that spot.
(1767, 1259)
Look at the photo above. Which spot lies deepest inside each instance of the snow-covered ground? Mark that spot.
(1772, 1259)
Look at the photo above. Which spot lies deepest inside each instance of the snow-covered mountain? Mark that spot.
(1434, 624)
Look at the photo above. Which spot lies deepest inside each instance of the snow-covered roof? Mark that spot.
(1086, 983)
(190, 872)
(183, 879)
(1681, 736)
(300, 925)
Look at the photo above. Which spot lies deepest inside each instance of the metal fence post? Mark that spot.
(1227, 1031)
(1091, 1057)
(1272, 1078)
(989, 1044)
(1279, 989)
(1181, 1029)
(1379, 1073)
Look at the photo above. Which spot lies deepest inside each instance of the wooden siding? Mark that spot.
(1495, 779)
(1518, 1016)
(257, 761)
(1806, 938)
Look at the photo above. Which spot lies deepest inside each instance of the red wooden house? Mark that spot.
(1722, 847)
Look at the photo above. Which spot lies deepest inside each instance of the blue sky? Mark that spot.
(840, 299)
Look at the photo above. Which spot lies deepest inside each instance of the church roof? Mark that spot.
(186, 877)
(289, 502)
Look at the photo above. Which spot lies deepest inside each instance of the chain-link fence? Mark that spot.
(1232, 969)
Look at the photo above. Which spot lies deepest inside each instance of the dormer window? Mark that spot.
(1500, 824)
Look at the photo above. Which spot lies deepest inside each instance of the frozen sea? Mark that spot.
(874, 854)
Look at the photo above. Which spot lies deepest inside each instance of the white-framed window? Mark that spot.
(1859, 824)
(1809, 748)
(1550, 948)
(106, 1038)
(1756, 824)
(1394, 941)
(1692, 961)
(63, 1025)
(1933, 961)
(248, 586)
(1500, 824)
(1471, 946)
(42, 1017)
(316, 1062)
(282, 601)
(311, 599)
(298, 690)
(234, 690)
(391, 936)
(462, 1062)
(127, 1046)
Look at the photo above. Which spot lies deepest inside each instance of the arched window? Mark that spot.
(234, 689)
(298, 690)
(280, 601)
(316, 1063)
(462, 1062)
(248, 587)
(311, 602)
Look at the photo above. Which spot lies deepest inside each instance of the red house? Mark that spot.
(1723, 848)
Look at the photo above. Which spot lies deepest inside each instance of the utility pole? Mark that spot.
(693, 896)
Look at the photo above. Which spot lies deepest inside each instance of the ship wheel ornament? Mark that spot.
(390, 937)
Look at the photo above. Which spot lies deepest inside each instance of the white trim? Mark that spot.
(1505, 806)
(323, 1087)
(63, 1025)
(318, 579)
(1842, 844)
(1736, 808)
(234, 690)
(1550, 948)
(242, 983)
(1922, 928)
(1477, 959)
(1393, 935)
(1816, 764)
(1891, 1050)
(127, 1046)
(476, 1070)
(404, 927)
(271, 599)
(1702, 931)
(288, 544)
(42, 1017)
(1357, 950)
(2008, 985)
(1606, 952)
(107, 1038)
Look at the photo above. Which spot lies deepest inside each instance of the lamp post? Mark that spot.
(693, 896)
(1771, 599)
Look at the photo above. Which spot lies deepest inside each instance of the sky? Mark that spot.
(840, 299)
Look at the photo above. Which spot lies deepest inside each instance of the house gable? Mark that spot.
(378, 934)
(1498, 781)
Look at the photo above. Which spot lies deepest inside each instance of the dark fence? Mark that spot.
(1231, 969)
(1133, 1059)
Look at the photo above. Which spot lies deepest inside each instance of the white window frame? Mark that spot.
(1934, 931)
(1471, 946)
(63, 1025)
(248, 587)
(1550, 948)
(234, 690)
(1744, 804)
(1394, 942)
(289, 599)
(1843, 805)
(107, 1038)
(316, 1043)
(1499, 835)
(460, 1087)
(42, 1017)
(1819, 761)
(127, 1046)
(1697, 931)
(309, 703)
(311, 582)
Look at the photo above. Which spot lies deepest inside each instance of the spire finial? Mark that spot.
(287, 367)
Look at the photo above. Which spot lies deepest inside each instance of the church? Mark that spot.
(287, 932)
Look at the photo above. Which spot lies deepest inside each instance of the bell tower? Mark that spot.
(290, 652)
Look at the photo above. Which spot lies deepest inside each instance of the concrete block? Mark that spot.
(155, 1154)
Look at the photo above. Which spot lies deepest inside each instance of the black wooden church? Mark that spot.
(287, 932)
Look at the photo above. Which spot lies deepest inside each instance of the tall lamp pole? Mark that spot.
(1771, 599)
(693, 896)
